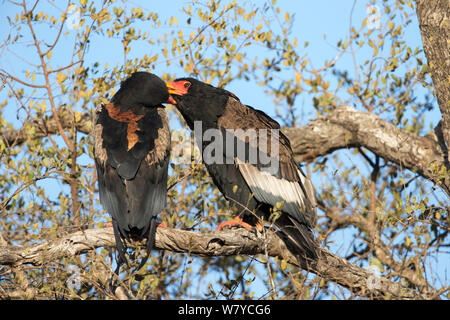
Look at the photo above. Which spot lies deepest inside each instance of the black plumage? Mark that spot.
(253, 188)
(131, 149)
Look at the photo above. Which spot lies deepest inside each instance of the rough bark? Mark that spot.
(344, 128)
(226, 243)
(435, 30)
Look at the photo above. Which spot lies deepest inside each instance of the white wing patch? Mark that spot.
(269, 189)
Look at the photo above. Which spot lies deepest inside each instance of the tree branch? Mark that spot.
(48, 86)
(379, 248)
(435, 29)
(226, 243)
(47, 126)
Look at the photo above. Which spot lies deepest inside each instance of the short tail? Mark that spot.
(299, 238)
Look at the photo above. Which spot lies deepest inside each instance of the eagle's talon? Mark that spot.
(236, 222)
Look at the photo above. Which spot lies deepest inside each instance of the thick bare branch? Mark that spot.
(434, 20)
(45, 127)
(348, 128)
(226, 243)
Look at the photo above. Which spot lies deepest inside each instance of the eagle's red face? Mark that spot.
(178, 88)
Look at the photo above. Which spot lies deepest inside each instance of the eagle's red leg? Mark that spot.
(238, 221)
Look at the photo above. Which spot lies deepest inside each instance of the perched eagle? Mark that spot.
(131, 149)
(255, 187)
